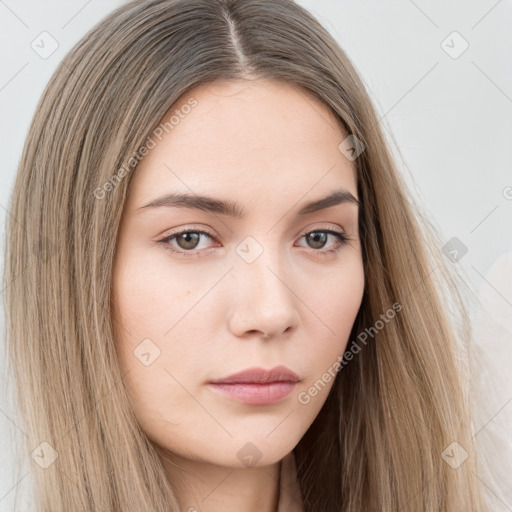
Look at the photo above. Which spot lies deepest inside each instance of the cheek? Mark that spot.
(160, 342)
(342, 299)
(151, 298)
(332, 309)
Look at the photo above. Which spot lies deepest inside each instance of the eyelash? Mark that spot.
(342, 240)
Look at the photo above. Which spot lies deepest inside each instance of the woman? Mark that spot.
(205, 190)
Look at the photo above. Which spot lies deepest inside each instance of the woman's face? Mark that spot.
(270, 286)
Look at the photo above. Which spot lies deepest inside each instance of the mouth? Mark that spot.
(254, 393)
(257, 386)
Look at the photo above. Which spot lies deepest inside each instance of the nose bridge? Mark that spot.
(263, 299)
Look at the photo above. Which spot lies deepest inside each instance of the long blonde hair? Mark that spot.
(379, 442)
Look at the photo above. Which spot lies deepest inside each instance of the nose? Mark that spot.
(263, 303)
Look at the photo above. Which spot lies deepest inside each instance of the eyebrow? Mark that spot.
(234, 209)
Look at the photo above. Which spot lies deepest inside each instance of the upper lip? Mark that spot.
(260, 375)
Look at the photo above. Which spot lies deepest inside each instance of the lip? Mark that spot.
(257, 386)
(260, 376)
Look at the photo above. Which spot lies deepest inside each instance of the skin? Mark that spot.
(272, 147)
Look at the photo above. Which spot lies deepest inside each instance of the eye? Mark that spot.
(319, 237)
(188, 241)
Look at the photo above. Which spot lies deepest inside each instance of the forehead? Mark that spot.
(245, 139)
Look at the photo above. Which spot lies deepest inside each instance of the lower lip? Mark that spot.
(256, 394)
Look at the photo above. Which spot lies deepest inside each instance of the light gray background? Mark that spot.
(451, 118)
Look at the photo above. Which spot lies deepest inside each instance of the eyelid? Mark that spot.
(316, 227)
(187, 227)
